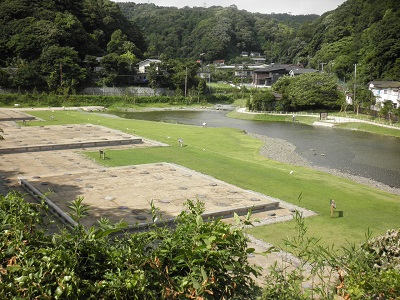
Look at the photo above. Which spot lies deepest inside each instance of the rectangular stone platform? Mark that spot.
(126, 192)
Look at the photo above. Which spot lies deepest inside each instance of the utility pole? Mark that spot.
(186, 81)
(61, 75)
(355, 86)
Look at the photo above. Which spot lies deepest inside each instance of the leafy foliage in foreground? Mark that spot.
(196, 260)
(369, 271)
(373, 270)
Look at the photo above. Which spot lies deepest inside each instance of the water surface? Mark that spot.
(358, 153)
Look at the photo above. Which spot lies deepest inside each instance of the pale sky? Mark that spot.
(295, 7)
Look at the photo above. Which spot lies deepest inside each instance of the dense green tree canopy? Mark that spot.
(218, 32)
(38, 36)
(309, 91)
(366, 33)
(358, 31)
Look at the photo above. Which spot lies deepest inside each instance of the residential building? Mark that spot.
(385, 91)
(219, 62)
(258, 60)
(269, 75)
(146, 63)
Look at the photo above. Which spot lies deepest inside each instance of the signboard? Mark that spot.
(323, 115)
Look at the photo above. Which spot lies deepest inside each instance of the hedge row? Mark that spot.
(35, 100)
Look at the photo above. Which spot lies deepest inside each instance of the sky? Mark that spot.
(295, 7)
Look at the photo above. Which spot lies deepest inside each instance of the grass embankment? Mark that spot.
(376, 129)
(370, 128)
(230, 155)
(271, 117)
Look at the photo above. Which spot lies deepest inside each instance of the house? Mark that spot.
(206, 74)
(243, 72)
(219, 62)
(258, 60)
(143, 65)
(385, 91)
(269, 75)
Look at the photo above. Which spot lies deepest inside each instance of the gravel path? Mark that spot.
(283, 151)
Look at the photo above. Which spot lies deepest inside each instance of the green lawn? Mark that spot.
(310, 120)
(371, 128)
(230, 155)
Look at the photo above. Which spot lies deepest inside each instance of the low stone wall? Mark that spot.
(121, 91)
(53, 147)
(54, 209)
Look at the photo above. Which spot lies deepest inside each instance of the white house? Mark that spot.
(385, 91)
(146, 63)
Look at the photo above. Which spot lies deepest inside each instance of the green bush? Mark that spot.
(196, 260)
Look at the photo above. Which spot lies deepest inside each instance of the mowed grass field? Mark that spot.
(232, 156)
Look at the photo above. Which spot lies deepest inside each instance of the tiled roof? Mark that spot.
(385, 84)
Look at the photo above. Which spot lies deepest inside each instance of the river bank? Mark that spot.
(283, 151)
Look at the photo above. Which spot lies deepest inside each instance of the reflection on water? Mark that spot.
(358, 153)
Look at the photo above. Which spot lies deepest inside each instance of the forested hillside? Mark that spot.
(218, 32)
(363, 32)
(54, 45)
(366, 32)
(42, 39)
